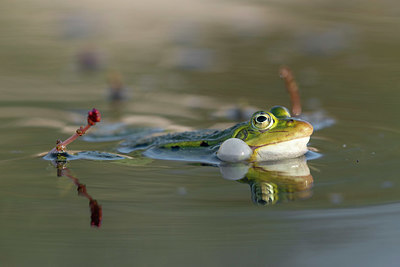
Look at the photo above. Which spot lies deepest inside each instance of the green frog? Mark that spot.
(268, 135)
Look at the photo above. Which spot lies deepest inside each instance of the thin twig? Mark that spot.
(93, 117)
(293, 89)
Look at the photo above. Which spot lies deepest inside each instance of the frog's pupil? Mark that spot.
(261, 119)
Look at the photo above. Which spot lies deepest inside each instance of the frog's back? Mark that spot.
(201, 138)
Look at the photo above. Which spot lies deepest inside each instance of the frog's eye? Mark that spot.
(262, 121)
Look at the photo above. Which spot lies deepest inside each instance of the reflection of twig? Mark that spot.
(292, 88)
(95, 208)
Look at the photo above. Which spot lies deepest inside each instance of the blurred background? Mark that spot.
(231, 50)
(181, 65)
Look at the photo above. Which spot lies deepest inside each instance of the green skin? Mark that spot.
(278, 127)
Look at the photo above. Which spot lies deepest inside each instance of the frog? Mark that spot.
(266, 136)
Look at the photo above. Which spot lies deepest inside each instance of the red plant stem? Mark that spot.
(79, 132)
(293, 90)
(61, 146)
(93, 117)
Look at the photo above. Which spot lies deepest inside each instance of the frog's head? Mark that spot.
(275, 135)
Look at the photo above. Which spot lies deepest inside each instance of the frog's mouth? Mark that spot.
(280, 150)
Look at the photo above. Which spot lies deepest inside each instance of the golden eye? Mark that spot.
(262, 120)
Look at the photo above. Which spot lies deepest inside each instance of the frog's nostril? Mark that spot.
(290, 122)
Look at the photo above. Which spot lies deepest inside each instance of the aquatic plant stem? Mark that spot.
(93, 117)
(291, 85)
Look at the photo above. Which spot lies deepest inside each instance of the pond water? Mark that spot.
(187, 65)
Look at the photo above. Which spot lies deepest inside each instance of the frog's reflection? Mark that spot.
(95, 209)
(273, 182)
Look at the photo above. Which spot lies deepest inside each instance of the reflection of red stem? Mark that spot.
(96, 213)
(293, 90)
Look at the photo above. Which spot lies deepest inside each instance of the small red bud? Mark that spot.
(94, 116)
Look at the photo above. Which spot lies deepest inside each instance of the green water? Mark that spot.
(183, 62)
